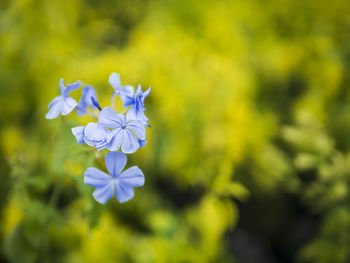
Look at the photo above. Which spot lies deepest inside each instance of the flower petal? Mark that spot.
(55, 100)
(55, 110)
(68, 105)
(94, 133)
(130, 143)
(145, 94)
(78, 132)
(134, 114)
(141, 116)
(103, 194)
(132, 177)
(62, 87)
(70, 87)
(115, 162)
(127, 100)
(138, 128)
(96, 178)
(114, 80)
(131, 114)
(117, 140)
(85, 100)
(123, 193)
(127, 90)
(81, 110)
(110, 119)
(138, 90)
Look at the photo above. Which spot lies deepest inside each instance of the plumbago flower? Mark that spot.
(130, 98)
(63, 104)
(113, 131)
(124, 131)
(121, 183)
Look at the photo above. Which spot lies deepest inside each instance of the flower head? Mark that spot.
(113, 131)
(86, 101)
(121, 183)
(63, 104)
(125, 133)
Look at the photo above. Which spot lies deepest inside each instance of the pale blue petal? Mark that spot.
(97, 136)
(131, 114)
(55, 110)
(68, 105)
(115, 162)
(96, 178)
(117, 140)
(127, 100)
(114, 80)
(101, 145)
(95, 132)
(55, 100)
(110, 119)
(138, 128)
(78, 132)
(132, 177)
(127, 90)
(145, 94)
(141, 116)
(81, 110)
(138, 90)
(123, 193)
(103, 194)
(62, 87)
(134, 114)
(85, 100)
(130, 143)
(70, 87)
(87, 93)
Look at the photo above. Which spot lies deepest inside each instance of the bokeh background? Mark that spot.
(247, 158)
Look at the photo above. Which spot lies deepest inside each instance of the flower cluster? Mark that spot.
(119, 133)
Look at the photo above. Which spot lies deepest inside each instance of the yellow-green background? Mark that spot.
(248, 154)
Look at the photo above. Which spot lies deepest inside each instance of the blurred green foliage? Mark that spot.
(250, 99)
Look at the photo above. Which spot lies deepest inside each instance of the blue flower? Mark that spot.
(130, 98)
(63, 104)
(93, 135)
(114, 80)
(124, 131)
(136, 101)
(86, 101)
(121, 183)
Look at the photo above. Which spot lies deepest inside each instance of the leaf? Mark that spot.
(18, 248)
